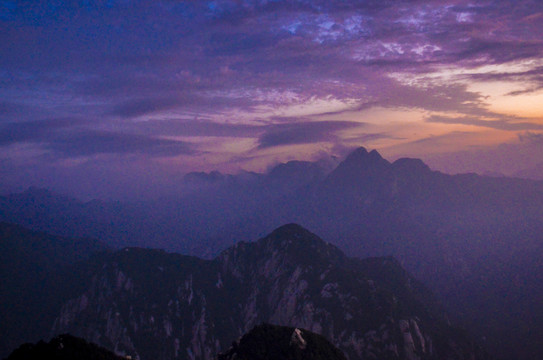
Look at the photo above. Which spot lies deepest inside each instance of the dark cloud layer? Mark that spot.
(68, 138)
(303, 133)
(88, 143)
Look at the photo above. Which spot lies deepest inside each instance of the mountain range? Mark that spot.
(475, 240)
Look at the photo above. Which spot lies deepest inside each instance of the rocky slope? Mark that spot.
(153, 305)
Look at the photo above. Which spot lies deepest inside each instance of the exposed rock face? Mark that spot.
(152, 305)
(296, 339)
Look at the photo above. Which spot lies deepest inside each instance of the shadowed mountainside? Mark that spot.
(150, 304)
(31, 281)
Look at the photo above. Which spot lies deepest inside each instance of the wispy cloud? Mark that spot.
(88, 143)
(303, 133)
(499, 124)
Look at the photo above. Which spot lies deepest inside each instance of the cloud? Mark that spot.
(92, 142)
(132, 58)
(143, 106)
(34, 131)
(531, 138)
(485, 51)
(198, 127)
(71, 137)
(509, 158)
(304, 133)
(499, 124)
(532, 79)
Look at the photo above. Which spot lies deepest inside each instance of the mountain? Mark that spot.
(63, 347)
(210, 216)
(263, 342)
(450, 231)
(31, 264)
(150, 304)
(270, 342)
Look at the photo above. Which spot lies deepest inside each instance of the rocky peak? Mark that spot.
(294, 235)
(362, 158)
(360, 168)
(358, 153)
(288, 246)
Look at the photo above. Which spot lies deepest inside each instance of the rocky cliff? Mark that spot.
(150, 304)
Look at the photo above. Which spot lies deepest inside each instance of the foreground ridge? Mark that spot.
(149, 304)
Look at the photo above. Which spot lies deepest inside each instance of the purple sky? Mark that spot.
(120, 98)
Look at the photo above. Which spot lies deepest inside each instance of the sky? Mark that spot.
(113, 99)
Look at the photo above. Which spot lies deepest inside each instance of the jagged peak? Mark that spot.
(291, 241)
(361, 157)
(358, 165)
(357, 154)
(375, 154)
(294, 239)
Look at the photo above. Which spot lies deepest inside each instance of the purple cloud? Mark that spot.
(303, 133)
(34, 131)
(88, 143)
(499, 124)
